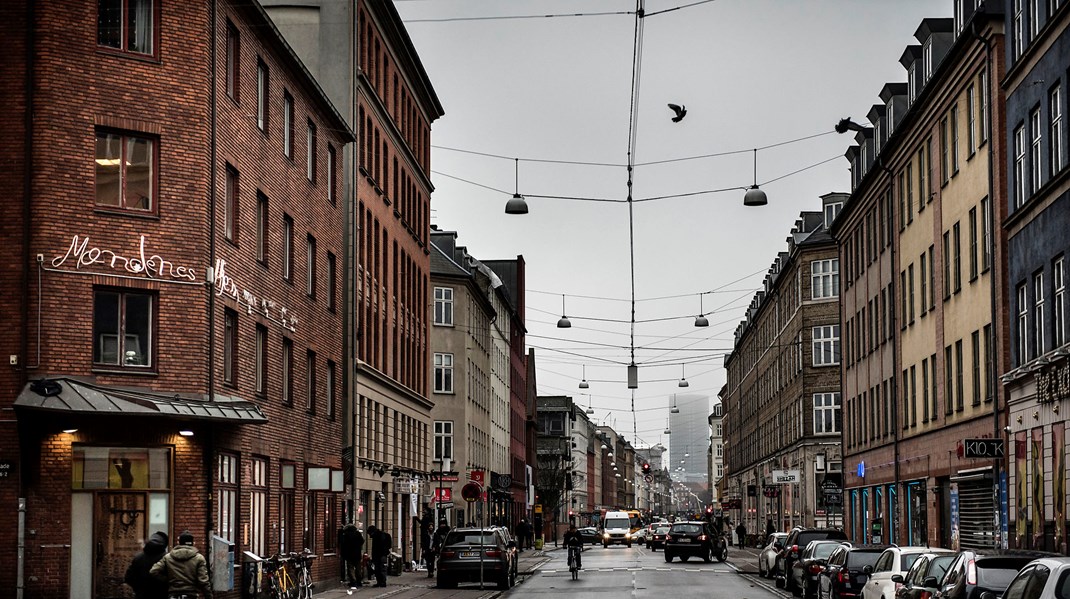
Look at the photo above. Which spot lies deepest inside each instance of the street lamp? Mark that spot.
(516, 204)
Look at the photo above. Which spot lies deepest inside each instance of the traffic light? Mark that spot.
(646, 468)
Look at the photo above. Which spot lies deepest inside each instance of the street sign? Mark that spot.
(477, 476)
(446, 477)
(786, 477)
(649, 478)
(983, 448)
(471, 492)
(443, 495)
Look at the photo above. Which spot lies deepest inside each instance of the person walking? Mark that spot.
(437, 540)
(184, 569)
(351, 546)
(769, 528)
(137, 576)
(741, 533)
(381, 543)
(522, 530)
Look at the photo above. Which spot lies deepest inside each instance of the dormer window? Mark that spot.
(831, 211)
(927, 57)
(877, 138)
(891, 117)
(912, 82)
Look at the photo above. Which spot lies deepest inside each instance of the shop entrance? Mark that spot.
(120, 525)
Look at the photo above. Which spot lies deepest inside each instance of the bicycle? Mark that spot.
(302, 563)
(280, 583)
(574, 561)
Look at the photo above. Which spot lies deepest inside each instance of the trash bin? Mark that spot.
(394, 567)
(252, 573)
(538, 544)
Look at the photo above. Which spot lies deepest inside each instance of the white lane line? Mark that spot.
(635, 588)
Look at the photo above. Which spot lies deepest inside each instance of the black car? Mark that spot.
(657, 539)
(975, 572)
(590, 534)
(805, 570)
(474, 554)
(697, 538)
(797, 540)
(843, 576)
(928, 567)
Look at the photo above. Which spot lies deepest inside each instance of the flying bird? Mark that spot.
(681, 112)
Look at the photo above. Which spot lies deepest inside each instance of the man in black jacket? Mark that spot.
(137, 576)
(351, 546)
(381, 543)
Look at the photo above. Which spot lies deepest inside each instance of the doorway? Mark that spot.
(120, 524)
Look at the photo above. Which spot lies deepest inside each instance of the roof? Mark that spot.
(78, 397)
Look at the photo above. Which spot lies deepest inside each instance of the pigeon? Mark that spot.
(681, 112)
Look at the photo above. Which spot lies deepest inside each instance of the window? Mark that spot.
(923, 184)
(990, 386)
(983, 84)
(1019, 166)
(332, 284)
(1058, 308)
(949, 379)
(1018, 27)
(986, 232)
(927, 58)
(123, 329)
(954, 139)
(958, 376)
(1034, 150)
(261, 228)
(230, 347)
(910, 285)
(826, 344)
(443, 373)
(975, 345)
(1034, 19)
(947, 264)
(831, 211)
(310, 266)
(924, 390)
(902, 299)
(127, 25)
(443, 440)
(331, 176)
(287, 482)
(826, 413)
(226, 496)
(913, 396)
(933, 381)
(261, 95)
(308, 539)
(1038, 314)
(956, 251)
(945, 162)
(261, 359)
(444, 306)
(287, 125)
(923, 282)
(310, 381)
(125, 172)
(973, 243)
(1055, 117)
(258, 472)
(328, 388)
(233, 66)
(971, 119)
(825, 278)
(230, 205)
(310, 152)
(1023, 325)
(287, 247)
(287, 371)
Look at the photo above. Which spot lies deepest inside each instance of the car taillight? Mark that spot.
(702, 537)
(971, 572)
(815, 568)
(794, 550)
(843, 577)
(926, 595)
(493, 553)
(448, 553)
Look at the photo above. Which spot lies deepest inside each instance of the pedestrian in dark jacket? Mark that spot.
(381, 543)
(522, 530)
(437, 541)
(741, 534)
(184, 569)
(769, 528)
(351, 546)
(137, 576)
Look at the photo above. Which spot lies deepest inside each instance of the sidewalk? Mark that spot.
(417, 584)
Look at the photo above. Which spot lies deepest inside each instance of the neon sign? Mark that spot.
(152, 266)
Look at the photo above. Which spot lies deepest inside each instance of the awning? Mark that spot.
(78, 397)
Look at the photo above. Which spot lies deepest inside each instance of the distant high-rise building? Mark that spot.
(690, 439)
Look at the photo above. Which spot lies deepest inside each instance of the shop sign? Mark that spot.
(786, 477)
(771, 491)
(269, 309)
(140, 262)
(983, 448)
(1053, 383)
(7, 469)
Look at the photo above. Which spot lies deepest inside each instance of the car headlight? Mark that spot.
(605, 535)
(627, 535)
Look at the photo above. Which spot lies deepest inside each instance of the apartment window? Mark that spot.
(910, 190)
(954, 139)
(958, 376)
(261, 359)
(123, 323)
(443, 440)
(986, 232)
(1023, 325)
(230, 347)
(1034, 19)
(226, 496)
(233, 66)
(932, 391)
(971, 119)
(1038, 314)
(902, 204)
(826, 345)
(1019, 166)
(989, 356)
(1055, 114)
(310, 267)
(287, 247)
(902, 299)
(310, 381)
(261, 95)
(443, 373)
(332, 283)
(287, 371)
(287, 125)
(913, 396)
(261, 228)
(444, 306)
(127, 25)
(927, 58)
(826, 413)
(949, 379)
(331, 175)
(923, 282)
(825, 278)
(924, 390)
(956, 250)
(910, 285)
(310, 152)
(1034, 150)
(1058, 311)
(287, 481)
(983, 84)
(125, 172)
(975, 346)
(947, 264)
(912, 82)
(923, 184)
(945, 171)
(329, 389)
(230, 205)
(258, 488)
(1018, 28)
(831, 211)
(973, 243)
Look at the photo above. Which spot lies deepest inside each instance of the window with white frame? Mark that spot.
(1034, 19)
(258, 487)
(971, 119)
(1038, 314)
(287, 124)
(983, 84)
(443, 373)
(1023, 325)
(444, 306)
(1019, 166)
(927, 59)
(1055, 117)
(261, 95)
(826, 413)
(226, 496)
(443, 440)
(831, 211)
(1058, 311)
(825, 278)
(1018, 28)
(826, 342)
(1035, 169)
(123, 328)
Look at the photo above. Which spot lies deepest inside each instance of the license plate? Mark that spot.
(860, 580)
(683, 541)
(469, 554)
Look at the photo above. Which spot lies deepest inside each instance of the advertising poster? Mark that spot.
(954, 516)
(1058, 483)
(1021, 476)
(1036, 455)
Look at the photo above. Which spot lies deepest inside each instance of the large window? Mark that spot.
(125, 172)
(287, 371)
(262, 80)
(443, 440)
(443, 373)
(1036, 176)
(226, 496)
(826, 413)
(1058, 309)
(233, 66)
(230, 347)
(258, 489)
(444, 306)
(261, 359)
(127, 25)
(826, 341)
(1055, 114)
(825, 278)
(123, 329)
(1023, 325)
(1038, 314)
(230, 205)
(287, 482)
(1019, 166)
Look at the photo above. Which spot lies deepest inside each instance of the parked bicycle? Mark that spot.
(289, 576)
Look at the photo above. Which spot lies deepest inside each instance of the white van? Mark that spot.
(616, 528)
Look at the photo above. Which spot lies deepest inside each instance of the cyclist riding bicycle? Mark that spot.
(574, 544)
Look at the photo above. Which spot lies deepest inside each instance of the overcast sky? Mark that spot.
(751, 73)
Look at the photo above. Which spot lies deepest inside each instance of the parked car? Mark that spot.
(894, 560)
(797, 540)
(811, 562)
(843, 575)
(658, 538)
(590, 534)
(468, 552)
(697, 538)
(767, 555)
(974, 572)
(1044, 578)
(920, 580)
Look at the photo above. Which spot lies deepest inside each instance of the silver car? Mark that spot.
(767, 555)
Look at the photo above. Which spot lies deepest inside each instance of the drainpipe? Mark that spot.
(27, 199)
